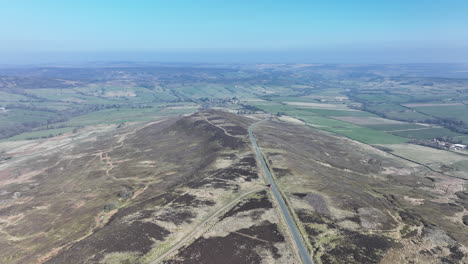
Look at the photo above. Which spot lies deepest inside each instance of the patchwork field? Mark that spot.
(358, 125)
(334, 124)
(117, 164)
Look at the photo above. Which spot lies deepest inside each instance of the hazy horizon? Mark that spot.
(235, 32)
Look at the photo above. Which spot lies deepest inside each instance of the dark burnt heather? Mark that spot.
(360, 248)
(121, 234)
(244, 245)
(234, 248)
(236, 130)
(347, 246)
(134, 179)
(136, 237)
(260, 201)
(226, 178)
(191, 200)
(216, 131)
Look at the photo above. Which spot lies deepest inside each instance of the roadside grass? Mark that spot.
(120, 257)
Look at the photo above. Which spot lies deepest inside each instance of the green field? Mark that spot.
(41, 134)
(362, 134)
(428, 133)
(459, 112)
(393, 127)
(398, 112)
(313, 118)
(293, 99)
(122, 115)
(43, 105)
(332, 112)
(371, 134)
(383, 98)
(275, 107)
(11, 97)
(463, 138)
(54, 94)
(13, 116)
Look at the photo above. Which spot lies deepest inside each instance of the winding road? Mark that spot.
(303, 253)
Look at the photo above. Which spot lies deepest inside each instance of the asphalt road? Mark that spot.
(303, 253)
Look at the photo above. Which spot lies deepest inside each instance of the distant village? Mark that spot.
(206, 102)
(445, 143)
(450, 146)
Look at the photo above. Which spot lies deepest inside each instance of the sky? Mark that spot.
(377, 31)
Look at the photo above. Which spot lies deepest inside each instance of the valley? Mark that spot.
(233, 164)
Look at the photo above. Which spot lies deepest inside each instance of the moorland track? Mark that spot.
(200, 230)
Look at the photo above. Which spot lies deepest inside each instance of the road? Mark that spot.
(303, 253)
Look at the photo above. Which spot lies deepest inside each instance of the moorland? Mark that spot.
(146, 163)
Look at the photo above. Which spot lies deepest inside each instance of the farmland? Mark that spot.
(322, 120)
(426, 133)
(455, 111)
(149, 163)
(70, 96)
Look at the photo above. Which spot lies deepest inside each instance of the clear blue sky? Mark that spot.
(274, 30)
